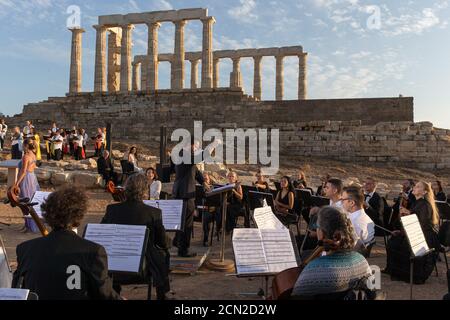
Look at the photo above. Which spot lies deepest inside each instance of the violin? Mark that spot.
(27, 208)
(118, 193)
(283, 283)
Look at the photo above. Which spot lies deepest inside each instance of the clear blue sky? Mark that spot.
(353, 50)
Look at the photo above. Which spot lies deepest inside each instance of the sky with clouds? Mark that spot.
(357, 48)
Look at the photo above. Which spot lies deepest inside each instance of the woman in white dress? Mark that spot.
(155, 184)
(132, 158)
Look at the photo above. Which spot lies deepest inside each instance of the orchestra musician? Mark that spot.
(353, 204)
(131, 157)
(284, 201)
(439, 194)
(57, 142)
(406, 199)
(398, 249)
(260, 183)
(26, 179)
(105, 168)
(234, 202)
(3, 132)
(134, 212)
(300, 182)
(37, 142)
(333, 274)
(16, 144)
(155, 184)
(45, 265)
(186, 176)
(321, 189)
(373, 203)
(333, 191)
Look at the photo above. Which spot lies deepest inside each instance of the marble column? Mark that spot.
(302, 92)
(216, 73)
(75, 60)
(152, 57)
(279, 92)
(257, 87)
(194, 73)
(126, 58)
(177, 73)
(114, 41)
(235, 76)
(207, 52)
(100, 60)
(136, 75)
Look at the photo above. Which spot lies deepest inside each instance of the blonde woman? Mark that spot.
(398, 251)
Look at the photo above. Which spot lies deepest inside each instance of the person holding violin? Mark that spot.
(398, 249)
(333, 274)
(260, 183)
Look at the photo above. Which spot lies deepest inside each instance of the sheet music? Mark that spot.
(172, 212)
(260, 251)
(279, 250)
(249, 252)
(5, 273)
(415, 235)
(123, 244)
(14, 294)
(265, 219)
(39, 197)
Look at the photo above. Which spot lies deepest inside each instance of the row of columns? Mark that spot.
(177, 74)
(129, 74)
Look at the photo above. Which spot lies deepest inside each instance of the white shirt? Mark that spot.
(337, 204)
(3, 130)
(155, 190)
(368, 196)
(57, 144)
(363, 225)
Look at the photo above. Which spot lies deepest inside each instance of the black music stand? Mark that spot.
(221, 264)
(255, 199)
(444, 210)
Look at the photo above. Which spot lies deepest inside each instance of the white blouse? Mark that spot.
(155, 190)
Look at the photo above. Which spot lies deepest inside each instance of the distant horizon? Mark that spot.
(356, 48)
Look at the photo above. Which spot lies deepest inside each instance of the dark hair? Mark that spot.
(371, 178)
(290, 186)
(133, 147)
(356, 194)
(30, 145)
(337, 183)
(336, 226)
(65, 208)
(154, 172)
(411, 182)
(439, 183)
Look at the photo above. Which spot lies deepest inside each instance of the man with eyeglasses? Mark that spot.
(353, 204)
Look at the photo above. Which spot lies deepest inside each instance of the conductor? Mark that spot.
(186, 176)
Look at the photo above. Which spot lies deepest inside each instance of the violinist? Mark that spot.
(284, 201)
(398, 249)
(335, 273)
(260, 183)
(406, 200)
(234, 206)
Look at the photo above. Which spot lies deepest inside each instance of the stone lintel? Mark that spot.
(154, 16)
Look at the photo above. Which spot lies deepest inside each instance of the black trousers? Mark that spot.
(183, 238)
(2, 142)
(207, 218)
(15, 152)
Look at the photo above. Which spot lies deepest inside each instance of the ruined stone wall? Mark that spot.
(358, 130)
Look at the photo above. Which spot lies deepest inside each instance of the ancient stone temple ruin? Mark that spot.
(126, 94)
(121, 73)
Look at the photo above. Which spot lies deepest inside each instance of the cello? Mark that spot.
(283, 283)
(118, 193)
(27, 208)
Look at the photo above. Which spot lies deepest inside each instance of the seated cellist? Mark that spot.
(341, 268)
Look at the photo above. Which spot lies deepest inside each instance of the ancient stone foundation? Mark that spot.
(377, 130)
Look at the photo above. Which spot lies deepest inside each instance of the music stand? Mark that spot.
(221, 264)
(417, 244)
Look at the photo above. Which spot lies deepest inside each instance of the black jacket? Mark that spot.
(104, 166)
(137, 213)
(376, 208)
(186, 176)
(43, 264)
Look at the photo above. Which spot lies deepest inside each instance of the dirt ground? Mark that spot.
(206, 284)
